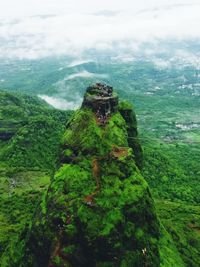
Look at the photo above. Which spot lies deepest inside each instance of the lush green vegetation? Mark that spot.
(30, 155)
(172, 171)
(182, 221)
(166, 102)
(100, 193)
(20, 195)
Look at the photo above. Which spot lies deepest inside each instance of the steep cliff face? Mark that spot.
(98, 210)
(126, 110)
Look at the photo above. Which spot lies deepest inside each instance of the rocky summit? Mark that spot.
(98, 210)
(101, 100)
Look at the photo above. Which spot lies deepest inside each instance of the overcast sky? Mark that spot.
(38, 28)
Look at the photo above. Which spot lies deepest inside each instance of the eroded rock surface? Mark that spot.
(101, 100)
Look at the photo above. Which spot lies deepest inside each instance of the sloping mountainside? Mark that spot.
(30, 133)
(98, 209)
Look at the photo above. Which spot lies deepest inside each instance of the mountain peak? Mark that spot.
(98, 210)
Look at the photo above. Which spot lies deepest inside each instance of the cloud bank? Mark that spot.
(33, 29)
(60, 103)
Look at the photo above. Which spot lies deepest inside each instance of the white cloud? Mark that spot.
(75, 63)
(126, 58)
(86, 74)
(35, 28)
(161, 64)
(60, 103)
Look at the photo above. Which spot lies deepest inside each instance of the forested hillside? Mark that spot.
(30, 133)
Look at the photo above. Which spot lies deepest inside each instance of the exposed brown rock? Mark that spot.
(101, 100)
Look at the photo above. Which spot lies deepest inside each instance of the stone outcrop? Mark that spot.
(100, 99)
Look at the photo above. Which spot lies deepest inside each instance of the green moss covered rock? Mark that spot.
(98, 210)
